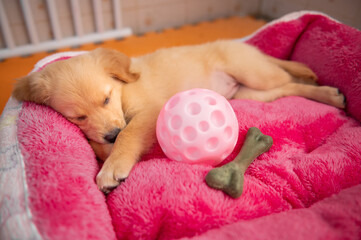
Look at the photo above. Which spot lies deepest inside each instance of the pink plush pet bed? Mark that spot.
(307, 186)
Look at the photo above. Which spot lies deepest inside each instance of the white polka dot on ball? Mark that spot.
(197, 126)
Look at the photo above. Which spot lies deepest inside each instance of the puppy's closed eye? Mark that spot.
(81, 118)
(106, 100)
(116, 77)
(77, 119)
(107, 97)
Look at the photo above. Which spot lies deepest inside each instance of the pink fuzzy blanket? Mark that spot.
(307, 186)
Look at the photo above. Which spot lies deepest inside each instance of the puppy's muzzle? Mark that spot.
(112, 135)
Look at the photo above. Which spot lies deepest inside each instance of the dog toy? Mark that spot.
(197, 126)
(229, 178)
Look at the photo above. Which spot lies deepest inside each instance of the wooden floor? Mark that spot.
(229, 28)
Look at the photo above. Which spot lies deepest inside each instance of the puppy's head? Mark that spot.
(85, 89)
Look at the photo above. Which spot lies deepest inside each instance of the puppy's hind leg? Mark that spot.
(323, 94)
(299, 71)
(251, 68)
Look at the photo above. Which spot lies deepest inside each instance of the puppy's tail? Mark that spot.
(299, 71)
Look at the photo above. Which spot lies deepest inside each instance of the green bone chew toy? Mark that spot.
(229, 178)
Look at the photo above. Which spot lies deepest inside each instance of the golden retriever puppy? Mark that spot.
(115, 100)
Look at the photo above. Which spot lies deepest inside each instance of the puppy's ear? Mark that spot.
(116, 64)
(32, 88)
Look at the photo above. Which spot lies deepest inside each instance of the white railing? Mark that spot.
(58, 41)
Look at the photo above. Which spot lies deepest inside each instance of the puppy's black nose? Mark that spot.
(112, 135)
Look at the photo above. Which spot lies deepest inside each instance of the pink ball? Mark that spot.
(197, 126)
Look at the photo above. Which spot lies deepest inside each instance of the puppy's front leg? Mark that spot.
(102, 151)
(136, 139)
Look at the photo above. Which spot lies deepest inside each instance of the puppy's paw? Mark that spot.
(111, 175)
(334, 96)
(339, 100)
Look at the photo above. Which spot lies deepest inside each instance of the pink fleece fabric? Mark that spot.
(316, 154)
(337, 217)
(331, 49)
(60, 169)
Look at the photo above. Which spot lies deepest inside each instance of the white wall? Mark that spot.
(154, 15)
